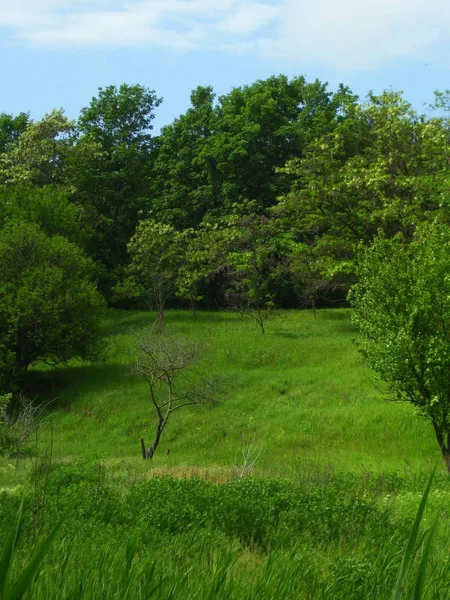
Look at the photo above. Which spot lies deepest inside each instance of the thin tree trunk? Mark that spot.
(193, 307)
(445, 450)
(161, 319)
(151, 451)
(260, 320)
(446, 456)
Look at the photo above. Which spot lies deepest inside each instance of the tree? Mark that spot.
(121, 117)
(402, 308)
(383, 166)
(253, 260)
(166, 361)
(48, 206)
(38, 155)
(309, 274)
(262, 126)
(204, 258)
(156, 256)
(228, 152)
(184, 180)
(110, 171)
(11, 128)
(49, 305)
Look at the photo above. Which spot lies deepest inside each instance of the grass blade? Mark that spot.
(8, 552)
(417, 593)
(407, 556)
(30, 571)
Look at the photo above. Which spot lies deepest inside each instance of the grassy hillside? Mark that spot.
(298, 395)
(339, 474)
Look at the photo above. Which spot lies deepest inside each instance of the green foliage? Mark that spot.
(260, 512)
(110, 170)
(5, 435)
(48, 303)
(28, 574)
(11, 128)
(120, 117)
(156, 256)
(204, 257)
(253, 259)
(48, 207)
(38, 155)
(383, 167)
(251, 538)
(262, 126)
(218, 155)
(402, 308)
(184, 179)
(17, 423)
(410, 548)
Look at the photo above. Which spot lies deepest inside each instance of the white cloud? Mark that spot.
(249, 19)
(359, 34)
(176, 23)
(341, 34)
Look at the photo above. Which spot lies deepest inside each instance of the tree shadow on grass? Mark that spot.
(334, 314)
(124, 322)
(200, 317)
(290, 335)
(62, 386)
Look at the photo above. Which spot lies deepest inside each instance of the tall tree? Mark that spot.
(383, 167)
(222, 154)
(11, 128)
(112, 185)
(185, 184)
(262, 126)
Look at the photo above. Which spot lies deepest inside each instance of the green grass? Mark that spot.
(325, 513)
(247, 538)
(299, 394)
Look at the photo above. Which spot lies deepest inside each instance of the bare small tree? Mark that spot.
(168, 364)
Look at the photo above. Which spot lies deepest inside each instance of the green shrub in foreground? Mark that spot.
(250, 538)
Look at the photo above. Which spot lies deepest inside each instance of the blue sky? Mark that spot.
(56, 53)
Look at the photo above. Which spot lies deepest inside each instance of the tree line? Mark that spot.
(255, 199)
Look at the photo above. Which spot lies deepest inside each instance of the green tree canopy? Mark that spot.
(185, 186)
(110, 170)
(262, 126)
(11, 128)
(48, 206)
(37, 156)
(49, 305)
(223, 153)
(402, 308)
(383, 167)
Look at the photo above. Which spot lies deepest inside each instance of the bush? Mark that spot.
(48, 303)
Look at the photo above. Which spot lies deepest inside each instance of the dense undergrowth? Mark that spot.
(248, 538)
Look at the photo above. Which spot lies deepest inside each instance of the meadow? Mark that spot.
(302, 481)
